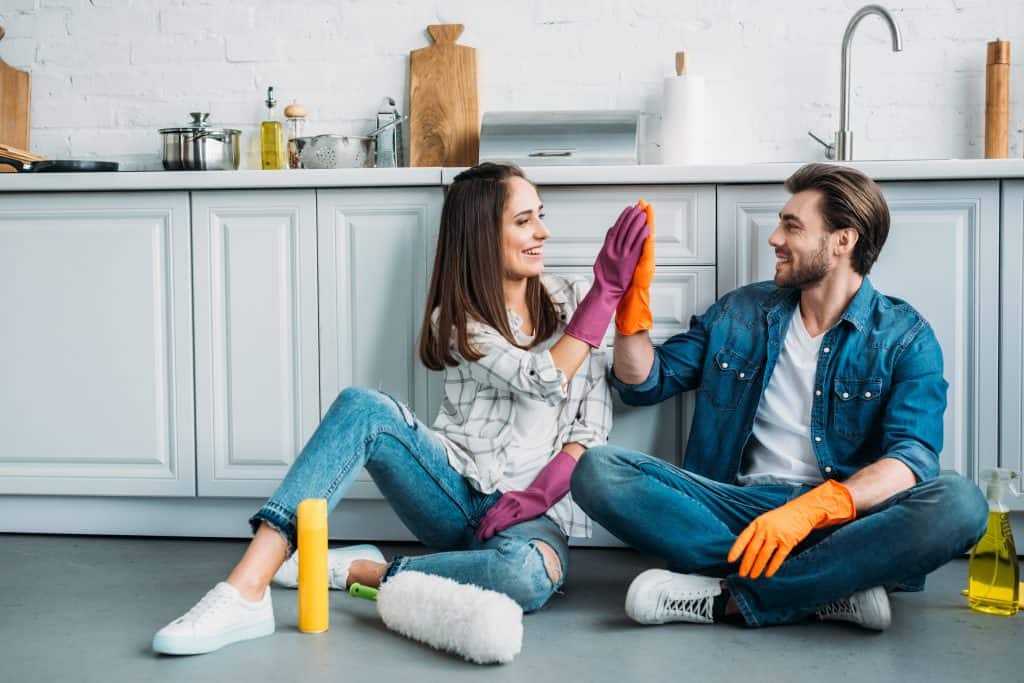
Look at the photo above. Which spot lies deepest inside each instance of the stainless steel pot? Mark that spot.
(198, 147)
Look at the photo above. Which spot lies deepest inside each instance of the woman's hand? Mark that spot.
(613, 272)
(514, 507)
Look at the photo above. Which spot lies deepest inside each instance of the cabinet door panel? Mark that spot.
(97, 354)
(941, 256)
(257, 399)
(578, 218)
(376, 249)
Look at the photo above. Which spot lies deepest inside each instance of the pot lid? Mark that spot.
(199, 123)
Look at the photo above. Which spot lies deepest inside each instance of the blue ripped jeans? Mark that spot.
(365, 428)
(692, 521)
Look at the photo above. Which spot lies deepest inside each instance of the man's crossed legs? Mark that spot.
(838, 572)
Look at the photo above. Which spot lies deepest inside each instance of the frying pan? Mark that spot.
(58, 165)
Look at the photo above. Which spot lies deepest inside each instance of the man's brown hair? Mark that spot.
(850, 199)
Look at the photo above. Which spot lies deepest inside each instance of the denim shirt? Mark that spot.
(878, 386)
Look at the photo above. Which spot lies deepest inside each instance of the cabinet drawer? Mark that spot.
(579, 218)
(676, 294)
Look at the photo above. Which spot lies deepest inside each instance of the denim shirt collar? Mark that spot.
(786, 299)
(860, 306)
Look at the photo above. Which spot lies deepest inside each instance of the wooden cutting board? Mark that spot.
(14, 106)
(444, 120)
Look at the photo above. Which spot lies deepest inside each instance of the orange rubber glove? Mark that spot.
(773, 535)
(634, 311)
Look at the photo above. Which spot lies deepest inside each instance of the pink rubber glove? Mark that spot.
(613, 271)
(514, 507)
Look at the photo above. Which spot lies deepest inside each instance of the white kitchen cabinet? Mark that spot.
(376, 250)
(257, 374)
(1011, 336)
(96, 353)
(579, 217)
(942, 256)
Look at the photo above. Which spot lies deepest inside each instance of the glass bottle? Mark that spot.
(271, 143)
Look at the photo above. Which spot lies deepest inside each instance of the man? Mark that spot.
(811, 482)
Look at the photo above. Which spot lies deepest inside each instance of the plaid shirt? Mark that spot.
(479, 405)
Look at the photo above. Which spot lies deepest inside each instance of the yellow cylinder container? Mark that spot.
(312, 528)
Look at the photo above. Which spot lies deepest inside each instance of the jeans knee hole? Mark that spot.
(552, 564)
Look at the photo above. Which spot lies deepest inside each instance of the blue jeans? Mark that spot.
(692, 521)
(365, 428)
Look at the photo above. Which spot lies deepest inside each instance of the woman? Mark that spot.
(525, 395)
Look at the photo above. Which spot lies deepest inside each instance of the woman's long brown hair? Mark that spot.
(467, 278)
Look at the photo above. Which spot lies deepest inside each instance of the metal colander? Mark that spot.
(335, 151)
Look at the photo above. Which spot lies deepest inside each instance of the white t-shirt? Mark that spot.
(779, 450)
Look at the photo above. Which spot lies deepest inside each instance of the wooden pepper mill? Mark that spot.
(997, 100)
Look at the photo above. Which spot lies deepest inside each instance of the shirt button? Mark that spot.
(725, 365)
(742, 375)
(826, 349)
(846, 395)
(867, 394)
(817, 392)
(828, 469)
(817, 439)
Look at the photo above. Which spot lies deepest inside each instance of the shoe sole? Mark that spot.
(185, 645)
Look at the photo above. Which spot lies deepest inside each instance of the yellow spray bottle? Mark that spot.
(312, 523)
(993, 572)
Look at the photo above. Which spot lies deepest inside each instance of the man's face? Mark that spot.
(802, 243)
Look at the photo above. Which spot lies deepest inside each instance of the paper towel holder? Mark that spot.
(680, 63)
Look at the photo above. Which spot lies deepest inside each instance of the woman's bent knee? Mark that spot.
(369, 408)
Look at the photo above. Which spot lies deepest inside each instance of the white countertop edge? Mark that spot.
(939, 169)
(220, 180)
(773, 172)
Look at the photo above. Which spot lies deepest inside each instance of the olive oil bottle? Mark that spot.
(271, 138)
(993, 572)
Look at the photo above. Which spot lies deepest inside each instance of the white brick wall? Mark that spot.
(108, 73)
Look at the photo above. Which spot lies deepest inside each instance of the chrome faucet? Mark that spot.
(842, 148)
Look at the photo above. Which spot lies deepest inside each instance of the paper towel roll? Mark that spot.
(682, 120)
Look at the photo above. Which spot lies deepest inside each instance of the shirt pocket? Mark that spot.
(857, 403)
(731, 378)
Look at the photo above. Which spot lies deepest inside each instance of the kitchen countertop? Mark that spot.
(938, 169)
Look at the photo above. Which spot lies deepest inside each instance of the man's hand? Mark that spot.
(768, 540)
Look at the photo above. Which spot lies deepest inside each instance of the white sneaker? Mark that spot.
(338, 562)
(657, 596)
(868, 608)
(222, 617)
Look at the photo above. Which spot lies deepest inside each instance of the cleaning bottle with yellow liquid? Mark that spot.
(993, 572)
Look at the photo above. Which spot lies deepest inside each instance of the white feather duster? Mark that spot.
(481, 625)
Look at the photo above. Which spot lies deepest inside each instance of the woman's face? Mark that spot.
(523, 232)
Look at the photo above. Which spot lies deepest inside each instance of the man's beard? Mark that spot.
(808, 275)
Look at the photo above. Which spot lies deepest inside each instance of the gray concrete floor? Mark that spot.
(76, 608)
